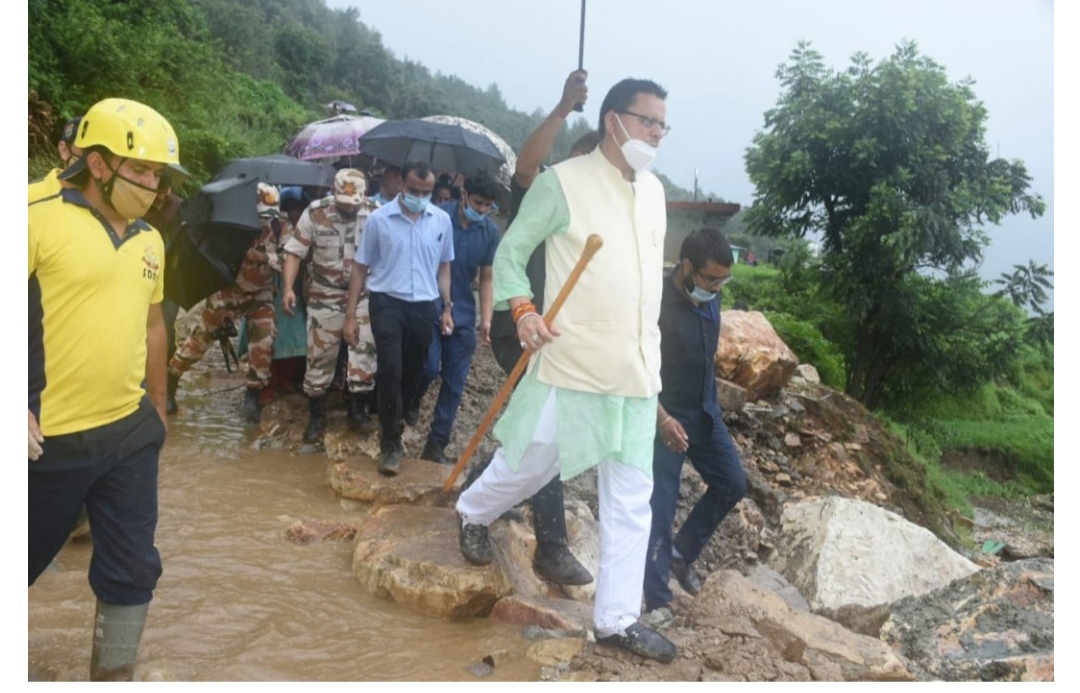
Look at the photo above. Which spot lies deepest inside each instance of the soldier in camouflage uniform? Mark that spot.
(252, 296)
(326, 238)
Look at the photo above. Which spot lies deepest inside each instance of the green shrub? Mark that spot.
(811, 347)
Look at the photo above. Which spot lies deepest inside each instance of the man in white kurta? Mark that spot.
(588, 398)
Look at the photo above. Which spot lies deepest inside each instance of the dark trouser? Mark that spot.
(717, 461)
(448, 357)
(113, 470)
(549, 511)
(402, 332)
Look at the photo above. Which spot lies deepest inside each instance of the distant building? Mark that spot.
(684, 217)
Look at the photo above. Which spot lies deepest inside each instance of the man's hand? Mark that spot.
(485, 332)
(288, 301)
(351, 333)
(533, 333)
(574, 92)
(673, 435)
(34, 439)
(446, 323)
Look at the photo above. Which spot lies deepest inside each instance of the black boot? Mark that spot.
(316, 419)
(433, 452)
(555, 562)
(389, 457)
(171, 385)
(357, 413)
(252, 407)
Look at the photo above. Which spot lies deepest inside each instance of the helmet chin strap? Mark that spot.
(106, 189)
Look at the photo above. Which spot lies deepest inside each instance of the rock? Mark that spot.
(995, 625)
(792, 440)
(752, 355)
(841, 553)
(516, 545)
(411, 555)
(544, 612)
(309, 531)
(553, 652)
(730, 396)
(583, 535)
(810, 642)
(419, 482)
(808, 373)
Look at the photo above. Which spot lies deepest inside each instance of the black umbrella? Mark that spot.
(220, 224)
(279, 169)
(448, 148)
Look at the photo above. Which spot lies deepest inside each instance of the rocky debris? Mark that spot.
(730, 396)
(848, 553)
(736, 631)
(410, 554)
(995, 625)
(1027, 533)
(309, 531)
(552, 652)
(752, 355)
(419, 482)
(807, 373)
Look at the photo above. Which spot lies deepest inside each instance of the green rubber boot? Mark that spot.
(117, 632)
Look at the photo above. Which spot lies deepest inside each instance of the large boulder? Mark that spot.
(847, 555)
(419, 482)
(819, 647)
(411, 555)
(995, 625)
(752, 355)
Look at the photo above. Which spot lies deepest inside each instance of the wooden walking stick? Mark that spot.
(592, 244)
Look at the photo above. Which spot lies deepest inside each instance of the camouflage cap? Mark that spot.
(67, 135)
(269, 201)
(349, 187)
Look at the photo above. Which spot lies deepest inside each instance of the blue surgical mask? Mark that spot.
(701, 295)
(471, 214)
(415, 204)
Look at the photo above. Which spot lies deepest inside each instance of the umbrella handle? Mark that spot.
(579, 107)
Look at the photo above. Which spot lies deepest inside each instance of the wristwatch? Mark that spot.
(448, 305)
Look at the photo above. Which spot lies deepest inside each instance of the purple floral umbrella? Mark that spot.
(330, 138)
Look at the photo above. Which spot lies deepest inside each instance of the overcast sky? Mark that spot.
(718, 62)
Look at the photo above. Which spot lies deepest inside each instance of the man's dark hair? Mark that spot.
(422, 169)
(481, 183)
(706, 245)
(623, 94)
(586, 143)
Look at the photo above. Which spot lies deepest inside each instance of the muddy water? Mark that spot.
(237, 601)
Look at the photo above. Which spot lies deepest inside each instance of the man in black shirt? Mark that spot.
(689, 420)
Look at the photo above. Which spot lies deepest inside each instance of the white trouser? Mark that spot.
(625, 517)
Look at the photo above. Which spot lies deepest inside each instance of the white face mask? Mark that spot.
(640, 155)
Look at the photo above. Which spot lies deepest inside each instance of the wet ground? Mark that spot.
(237, 600)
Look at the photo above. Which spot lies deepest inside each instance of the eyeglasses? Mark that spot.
(712, 282)
(650, 123)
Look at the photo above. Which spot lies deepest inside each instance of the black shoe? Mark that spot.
(433, 452)
(357, 416)
(556, 563)
(642, 641)
(172, 383)
(475, 544)
(390, 459)
(412, 416)
(316, 419)
(252, 408)
(684, 573)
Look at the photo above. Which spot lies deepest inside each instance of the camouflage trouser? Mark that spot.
(233, 303)
(325, 326)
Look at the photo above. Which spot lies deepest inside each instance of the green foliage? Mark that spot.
(811, 347)
(889, 164)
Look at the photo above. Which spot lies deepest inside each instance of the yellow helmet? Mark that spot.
(129, 129)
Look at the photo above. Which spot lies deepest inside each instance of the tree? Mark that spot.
(889, 165)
